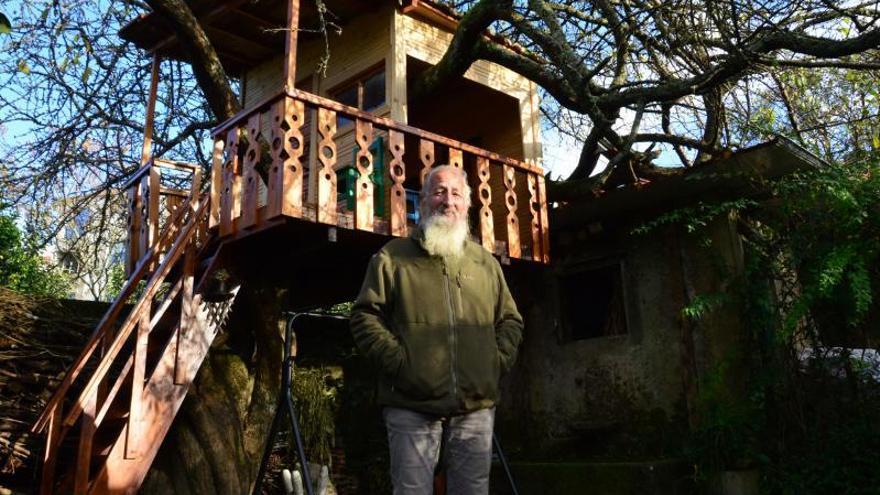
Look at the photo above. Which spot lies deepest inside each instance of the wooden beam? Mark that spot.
(243, 46)
(290, 45)
(151, 110)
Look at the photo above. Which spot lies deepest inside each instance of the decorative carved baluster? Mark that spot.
(513, 247)
(251, 178)
(326, 176)
(229, 193)
(455, 158)
(285, 178)
(397, 172)
(484, 192)
(216, 183)
(363, 206)
(426, 153)
(545, 225)
(535, 211)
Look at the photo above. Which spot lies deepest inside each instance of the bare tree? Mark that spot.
(671, 69)
(72, 110)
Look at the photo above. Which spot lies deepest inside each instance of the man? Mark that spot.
(436, 317)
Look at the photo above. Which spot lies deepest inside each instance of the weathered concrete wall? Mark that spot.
(618, 396)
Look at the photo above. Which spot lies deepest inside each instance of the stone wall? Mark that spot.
(624, 395)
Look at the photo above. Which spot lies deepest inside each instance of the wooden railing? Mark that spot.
(155, 192)
(282, 158)
(114, 362)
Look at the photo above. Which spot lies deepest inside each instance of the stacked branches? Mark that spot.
(39, 339)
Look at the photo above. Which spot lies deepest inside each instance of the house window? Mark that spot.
(365, 92)
(593, 302)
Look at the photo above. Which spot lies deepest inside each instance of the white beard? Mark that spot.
(444, 237)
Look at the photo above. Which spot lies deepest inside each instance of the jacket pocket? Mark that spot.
(425, 371)
(479, 362)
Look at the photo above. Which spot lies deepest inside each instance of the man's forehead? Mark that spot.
(447, 178)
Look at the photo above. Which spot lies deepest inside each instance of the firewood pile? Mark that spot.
(39, 339)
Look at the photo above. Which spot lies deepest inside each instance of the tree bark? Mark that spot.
(206, 64)
(217, 440)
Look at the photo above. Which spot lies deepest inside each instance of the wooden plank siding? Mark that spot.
(428, 43)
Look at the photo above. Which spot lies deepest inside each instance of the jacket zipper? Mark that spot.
(450, 310)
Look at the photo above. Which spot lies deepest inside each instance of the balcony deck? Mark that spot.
(283, 174)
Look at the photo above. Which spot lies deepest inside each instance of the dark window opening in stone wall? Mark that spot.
(593, 302)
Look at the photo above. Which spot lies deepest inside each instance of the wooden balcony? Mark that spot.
(288, 157)
(297, 157)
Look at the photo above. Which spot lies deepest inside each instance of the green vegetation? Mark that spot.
(804, 413)
(21, 267)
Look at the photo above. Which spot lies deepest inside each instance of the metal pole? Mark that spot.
(285, 398)
(504, 464)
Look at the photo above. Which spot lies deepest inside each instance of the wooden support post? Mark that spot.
(512, 221)
(133, 445)
(250, 177)
(86, 437)
(285, 189)
(152, 199)
(363, 205)
(216, 182)
(326, 175)
(151, 110)
(195, 189)
(187, 312)
(134, 228)
(426, 153)
(545, 225)
(50, 455)
(290, 43)
(534, 210)
(397, 196)
(484, 193)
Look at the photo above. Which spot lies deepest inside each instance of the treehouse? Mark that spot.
(321, 167)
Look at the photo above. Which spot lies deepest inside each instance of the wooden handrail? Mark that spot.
(157, 162)
(102, 327)
(125, 330)
(241, 117)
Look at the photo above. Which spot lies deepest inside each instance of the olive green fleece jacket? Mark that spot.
(441, 331)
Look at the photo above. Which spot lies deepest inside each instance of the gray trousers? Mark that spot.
(414, 440)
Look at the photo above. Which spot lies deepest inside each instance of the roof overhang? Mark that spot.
(745, 173)
(245, 33)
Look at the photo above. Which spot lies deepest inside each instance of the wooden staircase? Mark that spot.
(106, 422)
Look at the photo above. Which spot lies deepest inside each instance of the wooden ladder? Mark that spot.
(106, 422)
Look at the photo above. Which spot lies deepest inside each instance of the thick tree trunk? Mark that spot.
(206, 64)
(217, 440)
